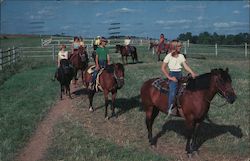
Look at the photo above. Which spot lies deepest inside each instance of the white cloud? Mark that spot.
(174, 22)
(98, 14)
(200, 18)
(65, 27)
(236, 12)
(229, 24)
(246, 6)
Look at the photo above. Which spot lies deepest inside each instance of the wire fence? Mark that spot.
(9, 56)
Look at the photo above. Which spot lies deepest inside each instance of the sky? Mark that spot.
(128, 18)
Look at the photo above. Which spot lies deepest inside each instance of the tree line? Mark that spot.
(207, 38)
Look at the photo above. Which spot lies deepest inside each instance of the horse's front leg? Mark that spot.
(91, 96)
(106, 92)
(113, 102)
(190, 138)
(123, 59)
(62, 90)
(126, 59)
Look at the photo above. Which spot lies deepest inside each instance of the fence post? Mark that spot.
(245, 49)
(185, 47)
(13, 54)
(1, 60)
(9, 56)
(53, 52)
(216, 51)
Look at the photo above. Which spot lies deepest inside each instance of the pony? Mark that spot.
(125, 53)
(79, 59)
(110, 80)
(194, 102)
(158, 50)
(65, 74)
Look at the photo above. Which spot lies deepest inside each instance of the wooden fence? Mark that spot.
(8, 57)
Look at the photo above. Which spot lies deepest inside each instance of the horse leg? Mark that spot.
(159, 56)
(61, 91)
(113, 103)
(106, 92)
(151, 114)
(194, 139)
(126, 59)
(190, 137)
(91, 96)
(68, 89)
(122, 59)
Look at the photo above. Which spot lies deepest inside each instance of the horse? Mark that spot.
(64, 75)
(110, 80)
(193, 104)
(79, 59)
(158, 50)
(125, 53)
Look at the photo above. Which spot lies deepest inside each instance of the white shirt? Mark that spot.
(174, 63)
(63, 55)
(127, 41)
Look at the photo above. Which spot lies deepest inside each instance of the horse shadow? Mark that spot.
(81, 91)
(125, 104)
(206, 131)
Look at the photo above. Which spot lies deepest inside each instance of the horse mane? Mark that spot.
(110, 68)
(203, 81)
(199, 83)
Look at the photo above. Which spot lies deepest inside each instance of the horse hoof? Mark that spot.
(189, 155)
(195, 153)
(91, 109)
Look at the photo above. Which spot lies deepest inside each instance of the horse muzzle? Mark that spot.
(120, 82)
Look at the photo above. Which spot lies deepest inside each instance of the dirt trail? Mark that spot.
(118, 131)
(41, 139)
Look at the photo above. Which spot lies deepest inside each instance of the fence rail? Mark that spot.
(8, 57)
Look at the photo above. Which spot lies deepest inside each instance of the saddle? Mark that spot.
(97, 87)
(163, 86)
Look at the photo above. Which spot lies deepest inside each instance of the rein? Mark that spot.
(215, 104)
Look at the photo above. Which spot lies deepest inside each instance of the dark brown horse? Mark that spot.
(194, 102)
(110, 80)
(79, 60)
(125, 53)
(159, 50)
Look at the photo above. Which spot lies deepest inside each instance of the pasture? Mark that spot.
(27, 94)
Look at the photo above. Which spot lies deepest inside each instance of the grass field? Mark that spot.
(27, 94)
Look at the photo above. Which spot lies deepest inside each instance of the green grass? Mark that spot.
(24, 101)
(26, 93)
(74, 143)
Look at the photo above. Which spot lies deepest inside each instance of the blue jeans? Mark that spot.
(102, 64)
(173, 87)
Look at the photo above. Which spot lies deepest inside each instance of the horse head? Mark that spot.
(223, 84)
(117, 48)
(83, 54)
(119, 74)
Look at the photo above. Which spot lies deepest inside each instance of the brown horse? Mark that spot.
(158, 50)
(125, 53)
(193, 104)
(79, 60)
(110, 80)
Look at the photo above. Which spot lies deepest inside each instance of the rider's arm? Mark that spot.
(108, 59)
(166, 73)
(97, 62)
(188, 69)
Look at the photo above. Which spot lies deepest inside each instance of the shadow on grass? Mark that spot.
(206, 131)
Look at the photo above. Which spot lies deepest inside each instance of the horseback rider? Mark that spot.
(161, 44)
(102, 58)
(97, 42)
(174, 60)
(75, 45)
(127, 42)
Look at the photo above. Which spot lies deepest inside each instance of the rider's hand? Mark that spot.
(173, 79)
(194, 75)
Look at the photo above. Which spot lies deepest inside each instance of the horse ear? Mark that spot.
(227, 69)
